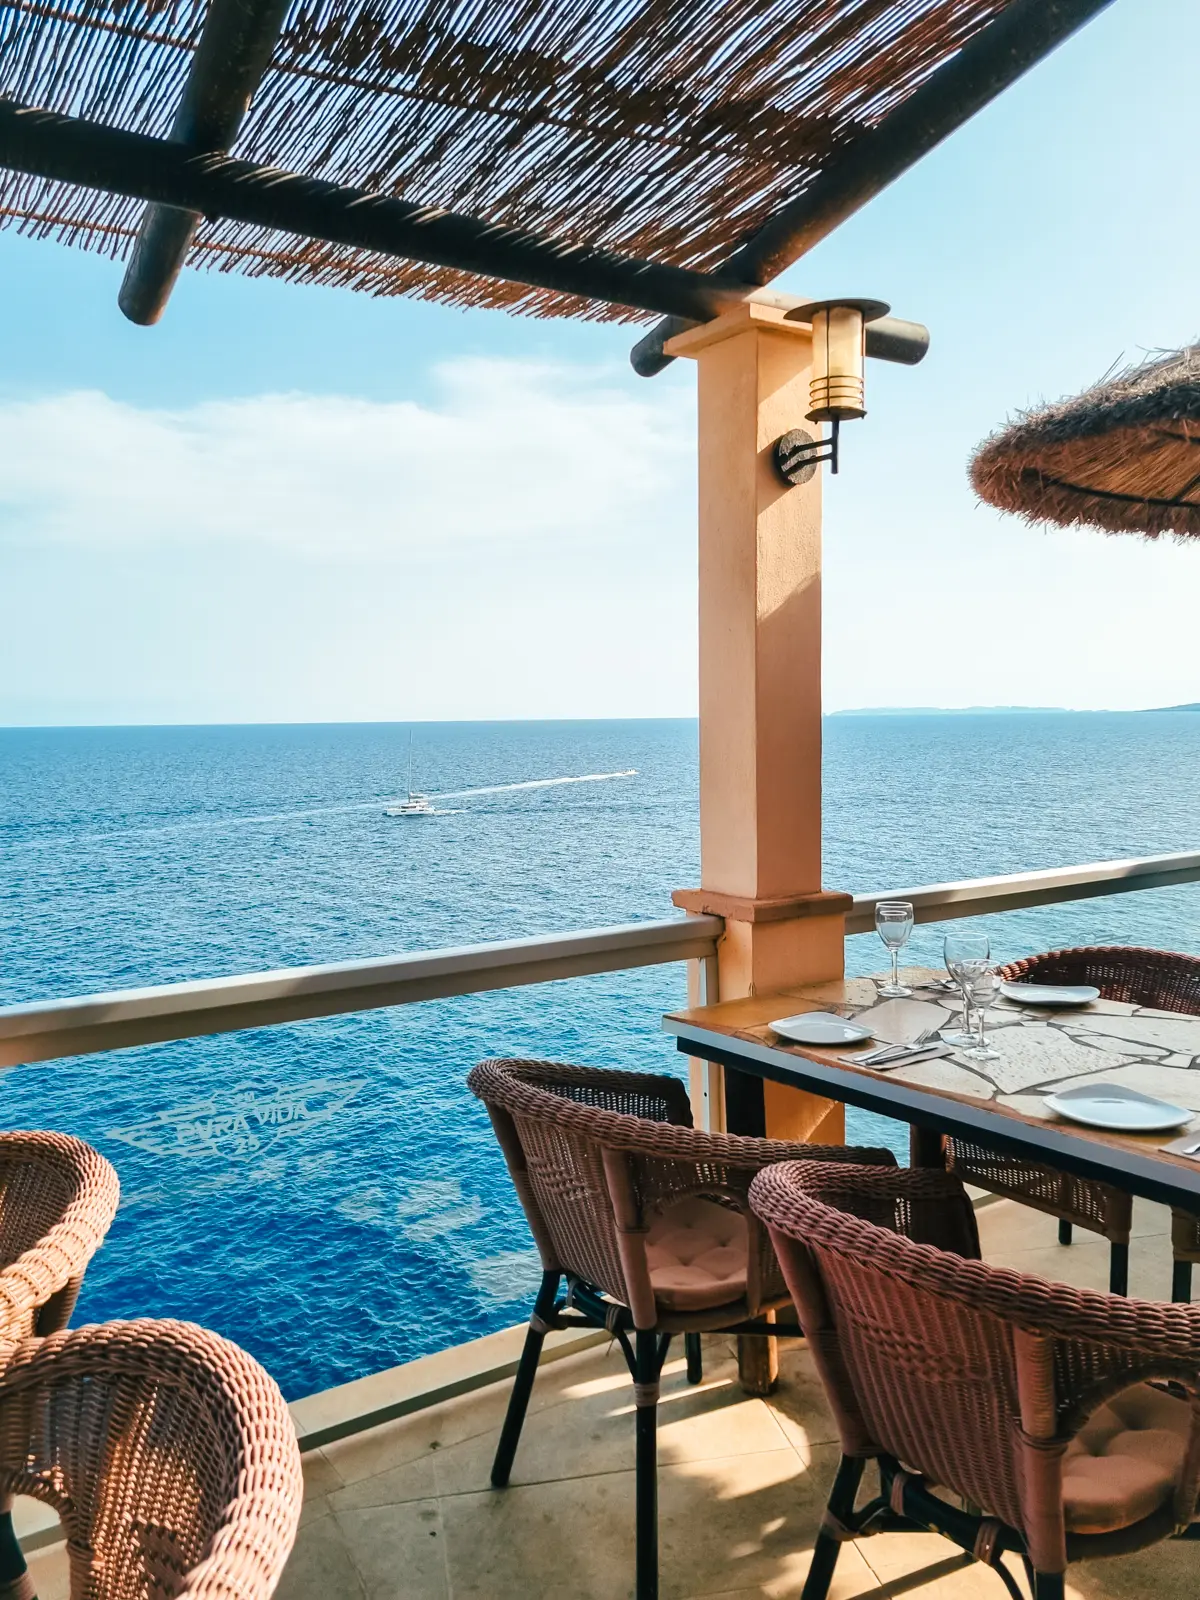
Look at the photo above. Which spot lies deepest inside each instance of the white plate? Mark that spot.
(1113, 1106)
(1050, 994)
(821, 1027)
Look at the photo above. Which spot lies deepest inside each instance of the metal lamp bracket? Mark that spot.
(798, 453)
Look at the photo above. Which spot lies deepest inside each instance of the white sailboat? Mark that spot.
(417, 804)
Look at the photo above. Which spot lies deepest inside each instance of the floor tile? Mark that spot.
(745, 1521)
(50, 1573)
(545, 1539)
(1166, 1571)
(852, 1580)
(593, 1431)
(320, 1475)
(398, 1550)
(467, 1417)
(320, 1566)
(799, 1404)
(412, 1480)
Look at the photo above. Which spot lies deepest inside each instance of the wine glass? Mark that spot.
(960, 946)
(894, 925)
(983, 982)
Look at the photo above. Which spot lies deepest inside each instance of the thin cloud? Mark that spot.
(506, 450)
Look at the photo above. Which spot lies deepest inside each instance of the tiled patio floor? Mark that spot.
(406, 1511)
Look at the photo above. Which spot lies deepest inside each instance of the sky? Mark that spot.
(301, 504)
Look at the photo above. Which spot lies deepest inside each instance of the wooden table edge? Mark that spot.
(1148, 1172)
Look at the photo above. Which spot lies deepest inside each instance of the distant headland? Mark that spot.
(995, 711)
(946, 711)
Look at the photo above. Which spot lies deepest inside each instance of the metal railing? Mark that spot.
(977, 897)
(47, 1029)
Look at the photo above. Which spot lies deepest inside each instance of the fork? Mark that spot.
(899, 1049)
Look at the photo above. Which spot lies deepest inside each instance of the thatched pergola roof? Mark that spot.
(1123, 456)
(558, 157)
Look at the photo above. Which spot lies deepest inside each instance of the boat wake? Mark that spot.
(200, 824)
(535, 783)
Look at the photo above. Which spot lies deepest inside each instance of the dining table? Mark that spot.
(998, 1103)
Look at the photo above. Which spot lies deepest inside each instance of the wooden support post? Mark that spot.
(760, 702)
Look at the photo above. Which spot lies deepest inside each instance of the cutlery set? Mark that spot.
(893, 1054)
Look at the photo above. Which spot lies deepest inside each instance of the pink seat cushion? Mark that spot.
(1124, 1462)
(696, 1250)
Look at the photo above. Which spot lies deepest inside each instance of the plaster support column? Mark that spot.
(760, 691)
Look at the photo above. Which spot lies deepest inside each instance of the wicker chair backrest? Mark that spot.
(594, 1154)
(1162, 979)
(58, 1197)
(168, 1453)
(553, 1122)
(973, 1375)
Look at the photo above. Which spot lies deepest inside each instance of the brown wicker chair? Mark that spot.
(647, 1220)
(1157, 978)
(168, 1454)
(1031, 1400)
(58, 1197)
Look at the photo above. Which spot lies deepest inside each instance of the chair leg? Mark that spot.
(1181, 1282)
(1118, 1269)
(1048, 1586)
(1065, 1231)
(647, 1366)
(518, 1401)
(646, 1369)
(15, 1582)
(840, 1510)
(695, 1357)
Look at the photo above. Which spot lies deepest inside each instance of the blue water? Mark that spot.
(328, 1194)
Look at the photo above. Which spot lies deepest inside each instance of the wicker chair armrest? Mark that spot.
(1096, 1333)
(735, 1149)
(513, 1086)
(1153, 1331)
(525, 1086)
(46, 1273)
(168, 1452)
(726, 1165)
(924, 1204)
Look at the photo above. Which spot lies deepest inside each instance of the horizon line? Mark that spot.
(418, 722)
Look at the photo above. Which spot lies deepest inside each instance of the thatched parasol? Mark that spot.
(1123, 456)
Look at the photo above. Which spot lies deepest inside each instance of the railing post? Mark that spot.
(706, 1082)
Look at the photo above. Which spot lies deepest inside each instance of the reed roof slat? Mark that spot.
(1123, 456)
(666, 130)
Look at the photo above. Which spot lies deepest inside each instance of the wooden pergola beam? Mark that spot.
(48, 144)
(234, 51)
(1025, 32)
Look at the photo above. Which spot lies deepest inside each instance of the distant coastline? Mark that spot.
(999, 711)
(949, 711)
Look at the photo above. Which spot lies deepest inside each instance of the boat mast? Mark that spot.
(410, 763)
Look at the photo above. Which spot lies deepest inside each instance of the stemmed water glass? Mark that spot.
(894, 925)
(983, 982)
(959, 948)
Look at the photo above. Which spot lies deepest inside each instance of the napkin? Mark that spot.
(1184, 1146)
(923, 1052)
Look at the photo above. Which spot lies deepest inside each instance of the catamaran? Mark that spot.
(417, 804)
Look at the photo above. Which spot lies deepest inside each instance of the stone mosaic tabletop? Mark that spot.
(1039, 1051)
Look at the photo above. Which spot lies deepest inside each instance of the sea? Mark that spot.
(329, 1194)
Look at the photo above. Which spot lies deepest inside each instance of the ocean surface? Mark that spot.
(328, 1194)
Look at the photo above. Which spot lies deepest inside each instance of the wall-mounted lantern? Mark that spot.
(836, 390)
